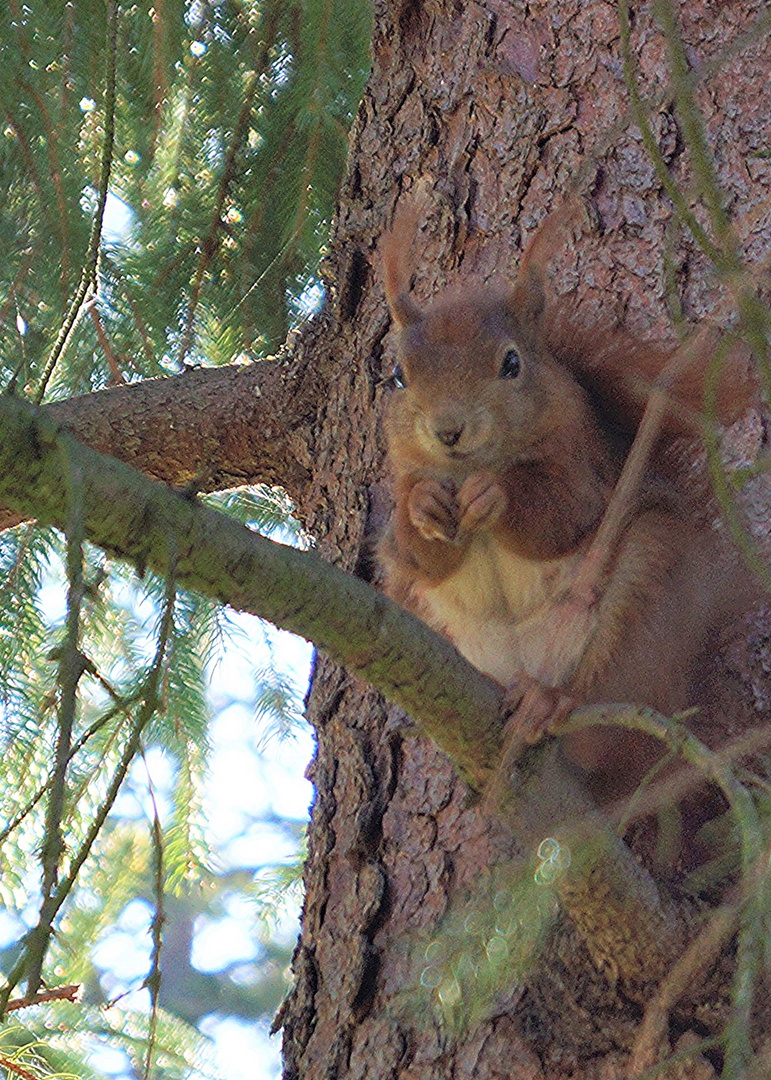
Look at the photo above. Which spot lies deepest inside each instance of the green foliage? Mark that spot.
(60, 1040)
(119, 632)
(230, 122)
(31, 1048)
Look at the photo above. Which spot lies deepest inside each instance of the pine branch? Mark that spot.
(55, 892)
(212, 238)
(70, 670)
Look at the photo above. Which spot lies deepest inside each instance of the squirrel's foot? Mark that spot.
(433, 510)
(530, 709)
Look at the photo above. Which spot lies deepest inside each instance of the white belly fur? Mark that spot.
(492, 605)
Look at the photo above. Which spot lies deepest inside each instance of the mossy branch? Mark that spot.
(613, 902)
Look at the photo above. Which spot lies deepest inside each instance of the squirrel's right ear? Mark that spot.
(403, 308)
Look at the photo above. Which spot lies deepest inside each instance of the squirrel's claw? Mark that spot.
(530, 710)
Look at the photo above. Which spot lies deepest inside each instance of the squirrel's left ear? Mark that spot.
(528, 294)
(527, 300)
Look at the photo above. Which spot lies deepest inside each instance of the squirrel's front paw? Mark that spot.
(433, 510)
(481, 501)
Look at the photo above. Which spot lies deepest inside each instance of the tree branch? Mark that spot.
(211, 428)
(611, 899)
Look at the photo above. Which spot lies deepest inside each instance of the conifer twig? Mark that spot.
(88, 277)
(715, 768)
(70, 671)
(69, 992)
(209, 243)
(153, 980)
(690, 966)
(15, 1069)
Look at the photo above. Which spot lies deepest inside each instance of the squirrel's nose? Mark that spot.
(449, 435)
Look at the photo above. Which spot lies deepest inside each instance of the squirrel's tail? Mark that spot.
(706, 377)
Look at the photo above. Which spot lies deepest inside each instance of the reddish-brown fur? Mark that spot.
(500, 484)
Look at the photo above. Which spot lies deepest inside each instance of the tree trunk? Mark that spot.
(506, 109)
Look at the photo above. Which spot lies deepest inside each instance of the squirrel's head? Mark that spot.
(485, 373)
(473, 379)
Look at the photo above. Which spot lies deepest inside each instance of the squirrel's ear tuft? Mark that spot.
(397, 247)
(396, 276)
(528, 297)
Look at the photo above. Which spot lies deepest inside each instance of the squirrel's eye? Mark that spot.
(511, 365)
(398, 377)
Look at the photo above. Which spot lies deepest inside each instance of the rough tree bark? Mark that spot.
(506, 108)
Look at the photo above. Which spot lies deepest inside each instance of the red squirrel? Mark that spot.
(507, 430)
